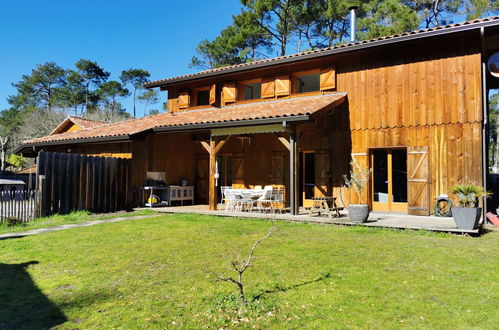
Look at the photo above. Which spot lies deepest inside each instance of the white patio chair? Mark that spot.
(264, 202)
(223, 201)
(231, 199)
(246, 202)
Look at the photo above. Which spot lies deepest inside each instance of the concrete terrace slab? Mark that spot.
(380, 220)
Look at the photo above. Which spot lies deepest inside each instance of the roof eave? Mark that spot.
(121, 138)
(356, 47)
(236, 123)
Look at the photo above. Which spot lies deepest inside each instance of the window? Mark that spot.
(308, 82)
(203, 97)
(252, 91)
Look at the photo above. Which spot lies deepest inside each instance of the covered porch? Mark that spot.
(289, 147)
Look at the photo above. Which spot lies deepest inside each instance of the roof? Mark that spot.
(250, 113)
(12, 182)
(401, 37)
(81, 122)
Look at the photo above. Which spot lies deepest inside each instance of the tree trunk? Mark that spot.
(134, 92)
(3, 146)
(436, 12)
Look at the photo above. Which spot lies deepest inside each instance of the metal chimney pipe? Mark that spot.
(353, 24)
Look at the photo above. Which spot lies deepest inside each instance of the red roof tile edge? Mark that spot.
(250, 111)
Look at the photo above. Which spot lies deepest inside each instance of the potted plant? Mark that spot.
(467, 215)
(357, 181)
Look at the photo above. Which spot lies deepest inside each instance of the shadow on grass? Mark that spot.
(279, 288)
(22, 304)
(12, 237)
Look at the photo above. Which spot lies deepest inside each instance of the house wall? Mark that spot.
(423, 94)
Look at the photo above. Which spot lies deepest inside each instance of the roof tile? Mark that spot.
(260, 110)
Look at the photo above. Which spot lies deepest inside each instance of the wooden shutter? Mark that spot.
(213, 94)
(282, 85)
(202, 182)
(238, 171)
(277, 168)
(268, 87)
(322, 170)
(418, 180)
(362, 158)
(229, 93)
(183, 100)
(328, 79)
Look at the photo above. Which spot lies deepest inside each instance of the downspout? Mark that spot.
(485, 123)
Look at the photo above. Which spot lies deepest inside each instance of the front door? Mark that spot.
(389, 180)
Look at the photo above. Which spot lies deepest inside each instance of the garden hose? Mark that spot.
(443, 206)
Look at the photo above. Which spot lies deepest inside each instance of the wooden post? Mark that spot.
(212, 197)
(293, 200)
(42, 195)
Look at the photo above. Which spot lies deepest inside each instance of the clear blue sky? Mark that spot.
(157, 35)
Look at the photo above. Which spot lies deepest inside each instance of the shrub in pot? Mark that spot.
(357, 182)
(467, 215)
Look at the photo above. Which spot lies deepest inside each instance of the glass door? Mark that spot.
(389, 180)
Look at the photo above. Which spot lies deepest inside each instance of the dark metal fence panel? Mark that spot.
(76, 182)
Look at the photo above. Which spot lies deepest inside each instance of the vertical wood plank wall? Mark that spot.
(427, 102)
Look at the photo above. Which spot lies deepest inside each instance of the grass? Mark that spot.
(73, 217)
(162, 273)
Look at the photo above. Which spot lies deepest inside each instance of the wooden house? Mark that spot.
(413, 107)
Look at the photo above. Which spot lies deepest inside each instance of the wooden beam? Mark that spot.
(293, 171)
(212, 194)
(284, 141)
(221, 144)
(205, 145)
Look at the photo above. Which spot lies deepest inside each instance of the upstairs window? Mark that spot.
(307, 82)
(250, 90)
(203, 97)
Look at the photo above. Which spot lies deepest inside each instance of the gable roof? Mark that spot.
(78, 121)
(293, 109)
(401, 37)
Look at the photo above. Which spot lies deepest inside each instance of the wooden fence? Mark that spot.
(18, 205)
(70, 182)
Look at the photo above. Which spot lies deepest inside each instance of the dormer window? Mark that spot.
(250, 90)
(203, 97)
(307, 82)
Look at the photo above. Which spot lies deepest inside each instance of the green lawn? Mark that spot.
(162, 273)
(74, 217)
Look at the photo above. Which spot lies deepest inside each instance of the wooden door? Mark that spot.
(322, 174)
(202, 180)
(362, 158)
(418, 171)
(277, 168)
(389, 180)
(238, 170)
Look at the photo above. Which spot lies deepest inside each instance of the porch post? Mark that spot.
(293, 203)
(212, 197)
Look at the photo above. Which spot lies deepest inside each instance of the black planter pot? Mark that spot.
(358, 212)
(466, 217)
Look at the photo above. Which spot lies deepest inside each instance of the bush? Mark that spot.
(12, 222)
